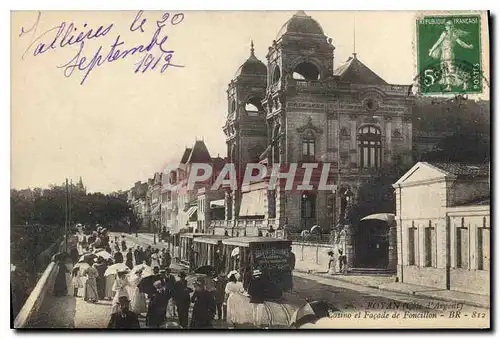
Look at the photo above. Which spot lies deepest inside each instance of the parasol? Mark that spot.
(82, 266)
(105, 255)
(315, 228)
(235, 252)
(146, 270)
(207, 269)
(389, 217)
(311, 312)
(115, 268)
(209, 283)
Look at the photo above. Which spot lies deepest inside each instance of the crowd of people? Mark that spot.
(140, 284)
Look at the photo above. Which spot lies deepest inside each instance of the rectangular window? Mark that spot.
(462, 247)
(412, 246)
(308, 149)
(430, 246)
(483, 251)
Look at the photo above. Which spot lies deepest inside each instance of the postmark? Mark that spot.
(449, 54)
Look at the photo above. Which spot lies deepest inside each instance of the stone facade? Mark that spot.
(443, 218)
(309, 111)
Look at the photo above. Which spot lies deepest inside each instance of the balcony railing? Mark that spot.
(311, 238)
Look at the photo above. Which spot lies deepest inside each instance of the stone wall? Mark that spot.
(313, 257)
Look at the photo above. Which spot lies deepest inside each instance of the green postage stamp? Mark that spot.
(449, 54)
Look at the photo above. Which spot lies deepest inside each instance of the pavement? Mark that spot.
(343, 291)
(388, 283)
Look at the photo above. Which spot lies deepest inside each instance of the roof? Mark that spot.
(300, 23)
(354, 71)
(185, 156)
(424, 171)
(211, 239)
(191, 235)
(199, 153)
(459, 169)
(252, 66)
(218, 163)
(245, 241)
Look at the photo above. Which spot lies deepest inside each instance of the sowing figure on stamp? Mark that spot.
(444, 49)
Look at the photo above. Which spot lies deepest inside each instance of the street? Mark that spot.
(343, 295)
(70, 312)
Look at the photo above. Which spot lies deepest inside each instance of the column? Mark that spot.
(393, 246)
(350, 234)
(388, 140)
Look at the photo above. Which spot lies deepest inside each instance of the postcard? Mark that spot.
(250, 170)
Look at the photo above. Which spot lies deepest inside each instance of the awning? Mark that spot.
(191, 210)
(252, 203)
(218, 204)
(389, 217)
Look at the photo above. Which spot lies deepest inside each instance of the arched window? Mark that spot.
(306, 71)
(253, 106)
(370, 147)
(308, 147)
(276, 75)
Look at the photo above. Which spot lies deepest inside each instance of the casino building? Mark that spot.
(303, 106)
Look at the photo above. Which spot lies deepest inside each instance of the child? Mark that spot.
(77, 280)
(120, 287)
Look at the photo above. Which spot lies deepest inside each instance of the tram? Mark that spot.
(185, 244)
(269, 255)
(207, 246)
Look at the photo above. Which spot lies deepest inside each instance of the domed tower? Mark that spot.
(245, 128)
(301, 51)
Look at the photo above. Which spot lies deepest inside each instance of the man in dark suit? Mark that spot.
(182, 299)
(124, 319)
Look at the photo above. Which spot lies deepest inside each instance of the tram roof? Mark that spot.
(191, 235)
(246, 241)
(211, 239)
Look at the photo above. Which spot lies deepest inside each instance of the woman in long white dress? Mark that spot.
(90, 287)
(110, 280)
(120, 287)
(232, 287)
(137, 298)
(155, 260)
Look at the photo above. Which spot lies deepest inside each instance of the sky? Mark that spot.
(120, 127)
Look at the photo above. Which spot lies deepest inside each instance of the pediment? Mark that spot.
(309, 128)
(420, 173)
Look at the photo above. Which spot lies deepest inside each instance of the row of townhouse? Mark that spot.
(161, 207)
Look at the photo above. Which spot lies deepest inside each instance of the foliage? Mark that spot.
(48, 207)
(465, 146)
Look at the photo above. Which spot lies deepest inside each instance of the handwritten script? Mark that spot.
(154, 52)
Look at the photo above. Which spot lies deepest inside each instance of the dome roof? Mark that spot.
(301, 23)
(252, 66)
